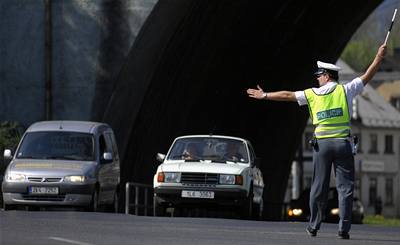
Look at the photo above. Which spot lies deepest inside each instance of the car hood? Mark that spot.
(203, 167)
(51, 167)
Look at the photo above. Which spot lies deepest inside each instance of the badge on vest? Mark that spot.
(337, 112)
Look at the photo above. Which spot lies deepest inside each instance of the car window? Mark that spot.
(110, 138)
(57, 145)
(104, 145)
(209, 148)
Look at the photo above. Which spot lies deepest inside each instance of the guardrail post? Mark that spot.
(145, 201)
(137, 186)
(136, 200)
(127, 198)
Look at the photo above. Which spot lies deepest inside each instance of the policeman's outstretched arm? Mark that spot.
(276, 96)
(373, 68)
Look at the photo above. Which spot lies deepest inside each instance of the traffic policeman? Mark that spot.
(330, 108)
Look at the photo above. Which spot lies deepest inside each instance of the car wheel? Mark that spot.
(115, 205)
(258, 210)
(94, 204)
(247, 208)
(7, 207)
(158, 208)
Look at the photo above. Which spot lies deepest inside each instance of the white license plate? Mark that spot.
(198, 194)
(43, 190)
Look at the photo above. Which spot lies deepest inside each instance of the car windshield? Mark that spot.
(209, 148)
(57, 145)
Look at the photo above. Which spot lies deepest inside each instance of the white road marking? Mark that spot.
(68, 241)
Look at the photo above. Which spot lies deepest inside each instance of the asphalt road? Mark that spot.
(22, 227)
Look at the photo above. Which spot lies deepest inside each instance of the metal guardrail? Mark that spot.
(136, 205)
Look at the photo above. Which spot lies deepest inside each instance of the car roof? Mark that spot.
(211, 136)
(69, 126)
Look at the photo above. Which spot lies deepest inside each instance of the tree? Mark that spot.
(362, 47)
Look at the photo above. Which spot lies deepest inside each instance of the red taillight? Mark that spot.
(238, 180)
(160, 177)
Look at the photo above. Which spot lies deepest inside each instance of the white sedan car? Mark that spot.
(209, 170)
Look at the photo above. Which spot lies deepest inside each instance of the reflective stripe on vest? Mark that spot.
(329, 113)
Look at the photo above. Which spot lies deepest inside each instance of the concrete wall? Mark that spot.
(91, 39)
(21, 60)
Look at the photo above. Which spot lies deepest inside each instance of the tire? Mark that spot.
(158, 208)
(7, 207)
(258, 211)
(115, 208)
(94, 204)
(247, 208)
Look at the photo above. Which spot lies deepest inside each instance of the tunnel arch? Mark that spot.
(192, 61)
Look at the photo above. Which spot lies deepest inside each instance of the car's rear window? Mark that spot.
(209, 148)
(57, 145)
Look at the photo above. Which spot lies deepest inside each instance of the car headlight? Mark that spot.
(230, 179)
(227, 179)
(75, 179)
(295, 212)
(15, 177)
(335, 211)
(169, 177)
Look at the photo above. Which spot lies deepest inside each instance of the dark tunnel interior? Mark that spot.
(190, 66)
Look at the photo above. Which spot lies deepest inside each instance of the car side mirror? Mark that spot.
(7, 154)
(107, 157)
(257, 162)
(160, 157)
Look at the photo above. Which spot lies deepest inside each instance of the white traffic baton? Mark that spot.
(391, 25)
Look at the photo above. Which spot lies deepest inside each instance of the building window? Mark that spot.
(388, 143)
(395, 101)
(373, 147)
(359, 146)
(372, 191)
(389, 191)
(307, 137)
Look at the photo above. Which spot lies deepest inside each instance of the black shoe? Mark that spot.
(310, 231)
(343, 235)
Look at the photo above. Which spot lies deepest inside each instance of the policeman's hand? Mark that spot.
(382, 51)
(256, 93)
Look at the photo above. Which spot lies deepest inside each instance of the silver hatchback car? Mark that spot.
(63, 163)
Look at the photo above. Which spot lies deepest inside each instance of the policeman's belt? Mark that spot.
(341, 131)
(332, 125)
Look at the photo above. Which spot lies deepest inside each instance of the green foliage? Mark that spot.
(361, 49)
(9, 136)
(358, 54)
(380, 220)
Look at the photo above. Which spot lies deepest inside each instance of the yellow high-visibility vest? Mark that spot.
(329, 113)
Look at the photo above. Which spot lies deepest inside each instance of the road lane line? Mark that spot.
(68, 240)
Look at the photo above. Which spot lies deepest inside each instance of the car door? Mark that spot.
(106, 186)
(115, 165)
(258, 182)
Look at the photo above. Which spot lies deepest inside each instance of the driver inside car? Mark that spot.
(232, 153)
(191, 152)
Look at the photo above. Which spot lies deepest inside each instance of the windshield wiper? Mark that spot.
(62, 157)
(27, 157)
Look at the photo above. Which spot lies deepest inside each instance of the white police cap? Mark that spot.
(326, 67)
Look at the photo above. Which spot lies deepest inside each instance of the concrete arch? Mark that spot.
(192, 61)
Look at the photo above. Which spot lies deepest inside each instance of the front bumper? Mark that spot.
(69, 194)
(222, 196)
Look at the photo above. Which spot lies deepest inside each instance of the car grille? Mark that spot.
(199, 178)
(54, 198)
(44, 179)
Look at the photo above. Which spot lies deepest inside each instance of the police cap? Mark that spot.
(327, 68)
